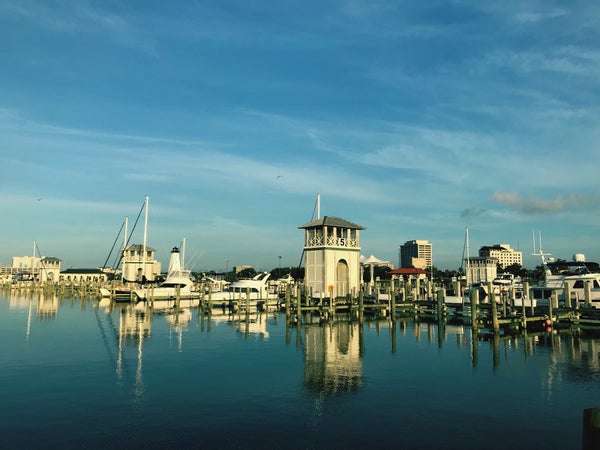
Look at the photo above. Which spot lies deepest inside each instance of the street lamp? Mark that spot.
(279, 265)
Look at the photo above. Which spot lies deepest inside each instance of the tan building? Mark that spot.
(416, 253)
(137, 265)
(505, 255)
(238, 269)
(481, 269)
(332, 252)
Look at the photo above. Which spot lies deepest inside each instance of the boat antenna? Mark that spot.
(541, 253)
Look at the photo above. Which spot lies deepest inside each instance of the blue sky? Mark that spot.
(413, 119)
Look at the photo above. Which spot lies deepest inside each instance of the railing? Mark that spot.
(331, 242)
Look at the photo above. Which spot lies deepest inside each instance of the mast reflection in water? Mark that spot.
(83, 373)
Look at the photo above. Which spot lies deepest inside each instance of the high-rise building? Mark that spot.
(505, 255)
(416, 254)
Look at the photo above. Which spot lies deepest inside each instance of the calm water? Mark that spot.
(81, 374)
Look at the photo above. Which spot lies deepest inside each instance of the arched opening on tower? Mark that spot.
(342, 278)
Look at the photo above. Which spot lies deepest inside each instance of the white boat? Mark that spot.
(256, 288)
(575, 280)
(177, 285)
(581, 287)
(211, 284)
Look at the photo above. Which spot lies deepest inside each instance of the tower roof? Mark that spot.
(140, 247)
(331, 221)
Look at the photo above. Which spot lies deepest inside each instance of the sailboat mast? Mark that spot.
(468, 251)
(124, 248)
(318, 206)
(145, 237)
(183, 254)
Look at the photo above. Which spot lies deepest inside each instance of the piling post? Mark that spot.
(474, 297)
(333, 303)
(440, 304)
(392, 300)
(361, 307)
(288, 303)
(417, 295)
(495, 324)
(567, 294)
(299, 300)
(588, 292)
(527, 293)
(551, 304)
(524, 310)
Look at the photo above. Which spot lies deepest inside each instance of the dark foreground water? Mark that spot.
(80, 374)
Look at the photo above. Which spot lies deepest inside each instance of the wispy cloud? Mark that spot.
(571, 59)
(80, 17)
(469, 213)
(536, 205)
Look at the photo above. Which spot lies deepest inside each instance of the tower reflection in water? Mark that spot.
(332, 358)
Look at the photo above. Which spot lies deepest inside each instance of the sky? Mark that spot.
(415, 120)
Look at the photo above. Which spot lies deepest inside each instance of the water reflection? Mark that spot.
(253, 324)
(45, 303)
(332, 351)
(134, 326)
(332, 358)
(157, 356)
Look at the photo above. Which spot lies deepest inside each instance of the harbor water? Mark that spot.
(84, 373)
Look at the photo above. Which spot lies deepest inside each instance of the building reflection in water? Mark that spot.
(39, 304)
(332, 357)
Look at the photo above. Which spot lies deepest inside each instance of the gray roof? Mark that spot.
(140, 247)
(79, 271)
(331, 221)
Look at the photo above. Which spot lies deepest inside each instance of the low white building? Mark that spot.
(42, 269)
(138, 265)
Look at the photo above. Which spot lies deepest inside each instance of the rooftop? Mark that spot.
(331, 221)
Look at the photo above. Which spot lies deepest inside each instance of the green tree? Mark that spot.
(246, 273)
